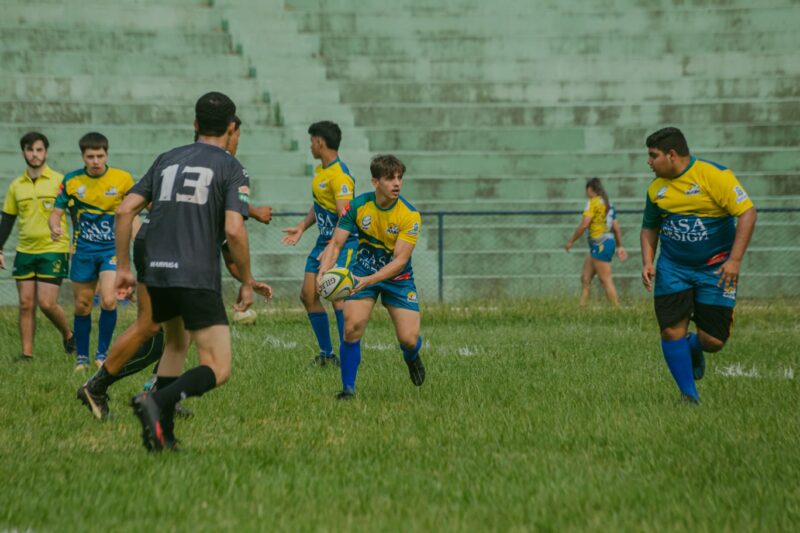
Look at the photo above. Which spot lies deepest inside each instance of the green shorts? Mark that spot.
(45, 266)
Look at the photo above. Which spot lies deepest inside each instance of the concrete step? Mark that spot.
(109, 64)
(537, 22)
(575, 138)
(504, 47)
(100, 113)
(577, 67)
(571, 91)
(478, 188)
(620, 115)
(63, 136)
(16, 39)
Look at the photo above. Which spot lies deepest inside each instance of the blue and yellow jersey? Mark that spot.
(379, 230)
(330, 183)
(601, 227)
(695, 213)
(95, 201)
(32, 202)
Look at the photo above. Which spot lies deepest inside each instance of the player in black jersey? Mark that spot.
(200, 197)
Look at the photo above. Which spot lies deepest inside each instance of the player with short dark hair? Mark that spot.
(40, 263)
(95, 191)
(605, 238)
(200, 195)
(692, 207)
(332, 187)
(388, 227)
(142, 343)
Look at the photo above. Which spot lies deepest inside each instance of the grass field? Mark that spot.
(534, 416)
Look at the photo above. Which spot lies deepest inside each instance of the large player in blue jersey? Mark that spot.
(332, 188)
(692, 207)
(388, 227)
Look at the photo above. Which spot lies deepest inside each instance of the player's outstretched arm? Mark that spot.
(578, 232)
(258, 286)
(292, 235)
(402, 253)
(729, 271)
(261, 213)
(649, 238)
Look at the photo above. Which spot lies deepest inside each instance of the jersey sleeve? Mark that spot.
(343, 186)
(587, 211)
(10, 203)
(409, 230)
(127, 184)
(62, 200)
(651, 218)
(729, 194)
(144, 187)
(237, 191)
(347, 218)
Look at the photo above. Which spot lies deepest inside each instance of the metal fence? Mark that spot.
(510, 254)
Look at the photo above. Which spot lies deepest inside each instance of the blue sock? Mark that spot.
(82, 329)
(340, 324)
(106, 325)
(351, 358)
(321, 327)
(679, 361)
(409, 354)
(694, 343)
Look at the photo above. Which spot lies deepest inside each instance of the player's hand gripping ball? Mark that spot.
(245, 318)
(336, 284)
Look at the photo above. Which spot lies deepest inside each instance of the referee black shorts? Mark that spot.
(199, 308)
(716, 320)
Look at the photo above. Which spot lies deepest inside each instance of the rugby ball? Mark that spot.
(336, 284)
(245, 318)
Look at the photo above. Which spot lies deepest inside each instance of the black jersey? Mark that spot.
(190, 188)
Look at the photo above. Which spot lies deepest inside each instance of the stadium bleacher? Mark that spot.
(493, 106)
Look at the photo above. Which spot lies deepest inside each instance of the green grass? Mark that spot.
(534, 416)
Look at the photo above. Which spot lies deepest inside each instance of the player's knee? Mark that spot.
(711, 344)
(353, 331)
(408, 341)
(83, 306)
(148, 327)
(26, 305)
(109, 303)
(586, 281)
(674, 333)
(307, 298)
(48, 306)
(222, 373)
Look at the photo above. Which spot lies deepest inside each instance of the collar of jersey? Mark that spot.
(685, 170)
(375, 201)
(46, 173)
(332, 163)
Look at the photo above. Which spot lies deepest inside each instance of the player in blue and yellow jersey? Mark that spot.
(692, 207)
(40, 263)
(95, 192)
(605, 238)
(388, 228)
(332, 189)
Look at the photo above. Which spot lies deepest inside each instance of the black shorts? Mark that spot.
(139, 261)
(716, 320)
(199, 308)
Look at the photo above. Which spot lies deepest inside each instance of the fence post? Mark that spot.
(440, 230)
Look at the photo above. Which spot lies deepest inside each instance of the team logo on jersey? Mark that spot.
(244, 194)
(414, 230)
(412, 297)
(366, 222)
(729, 292)
(322, 185)
(741, 196)
(245, 174)
(661, 192)
(81, 192)
(111, 192)
(694, 190)
(392, 229)
(47, 204)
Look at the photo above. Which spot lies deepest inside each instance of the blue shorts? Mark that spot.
(602, 250)
(87, 267)
(672, 278)
(346, 256)
(394, 293)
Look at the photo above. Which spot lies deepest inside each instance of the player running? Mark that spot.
(95, 191)
(388, 228)
(332, 188)
(200, 196)
(40, 264)
(605, 237)
(691, 208)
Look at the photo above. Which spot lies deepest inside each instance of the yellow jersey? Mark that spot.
(602, 224)
(330, 183)
(32, 201)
